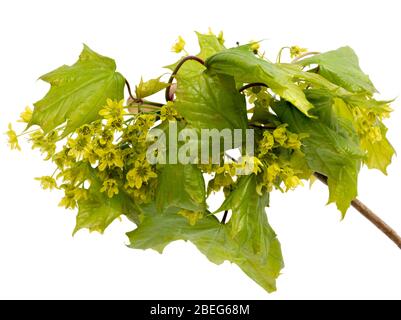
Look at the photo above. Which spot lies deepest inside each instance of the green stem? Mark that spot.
(279, 54)
(54, 172)
(27, 132)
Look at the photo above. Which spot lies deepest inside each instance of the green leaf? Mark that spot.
(210, 101)
(341, 67)
(245, 67)
(332, 147)
(150, 87)
(248, 221)
(78, 92)
(213, 240)
(209, 44)
(181, 186)
(98, 211)
(379, 153)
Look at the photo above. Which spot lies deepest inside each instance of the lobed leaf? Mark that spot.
(78, 92)
(341, 67)
(245, 67)
(210, 101)
(214, 240)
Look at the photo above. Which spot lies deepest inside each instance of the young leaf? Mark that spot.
(245, 67)
(150, 87)
(78, 92)
(181, 186)
(341, 67)
(214, 240)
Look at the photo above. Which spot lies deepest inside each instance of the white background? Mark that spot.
(325, 257)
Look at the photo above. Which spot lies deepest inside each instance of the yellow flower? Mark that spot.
(179, 45)
(145, 194)
(62, 159)
(272, 171)
(74, 175)
(72, 195)
(47, 182)
(140, 174)
(78, 146)
(105, 139)
(80, 194)
(208, 167)
(110, 158)
(68, 201)
(293, 141)
(280, 134)
(12, 138)
(292, 182)
(145, 121)
(38, 139)
(168, 112)
(26, 115)
(111, 187)
(230, 168)
(86, 130)
(255, 46)
(90, 155)
(192, 216)
(296, 51)
(113, 110)
(46, 143)
(266, 143)
(249, 165)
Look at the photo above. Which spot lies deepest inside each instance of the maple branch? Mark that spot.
(370, 215)
(168, 95)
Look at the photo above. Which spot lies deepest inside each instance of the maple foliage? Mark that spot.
(315, 114)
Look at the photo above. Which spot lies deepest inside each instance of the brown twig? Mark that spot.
(168, 96)
(129, 90)
(370, 215)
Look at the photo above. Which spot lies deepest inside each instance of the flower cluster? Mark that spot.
(367, 124)
(279, 150)
(296, 51)
(109, 152)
